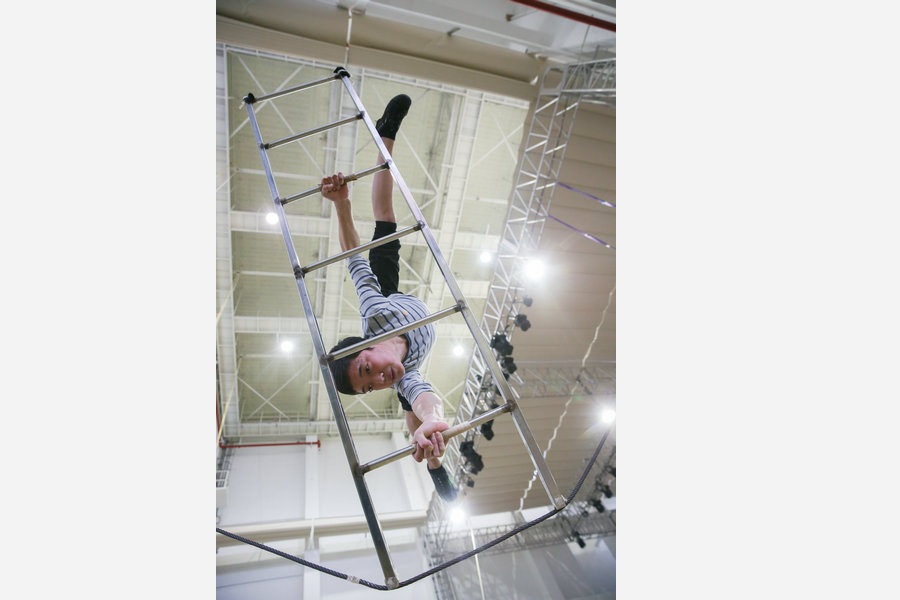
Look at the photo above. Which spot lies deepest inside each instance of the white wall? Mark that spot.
(275, 484)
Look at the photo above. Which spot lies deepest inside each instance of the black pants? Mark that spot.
(385, 259)
(385, 263)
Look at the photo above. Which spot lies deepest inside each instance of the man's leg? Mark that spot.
(383, 186)
(383, 189)
(385, 259)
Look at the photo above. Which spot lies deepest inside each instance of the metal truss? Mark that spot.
(552, 119)
(585, 518)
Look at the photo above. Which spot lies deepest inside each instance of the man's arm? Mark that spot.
(429, 422)
(335, 189)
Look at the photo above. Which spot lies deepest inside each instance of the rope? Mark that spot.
(444, 565)
(347, 43)
(297, 559)
(571, 395)
(589, 236)
(591, 196)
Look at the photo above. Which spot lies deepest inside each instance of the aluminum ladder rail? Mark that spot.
(509, 405)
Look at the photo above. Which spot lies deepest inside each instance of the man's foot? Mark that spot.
(443, 484)
(389, 123)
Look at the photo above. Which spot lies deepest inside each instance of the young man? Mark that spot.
(394, 362)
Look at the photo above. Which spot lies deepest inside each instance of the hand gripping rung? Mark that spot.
(367, 246)
(310, 132)
(347, 178)
(368, 343)
(447, 434)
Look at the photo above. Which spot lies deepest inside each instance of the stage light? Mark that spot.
(470, 483)
(487, 430)
(287, 346)
(527, 300)
(457, 516)
(501, 344)
(607, 415)
(534, 268)
(474, 460)
(607, 491)
(271, 218)
(458, 350)
(486, 256)
(595, 502)
(523, 322)
(580, 541)
(509, 365)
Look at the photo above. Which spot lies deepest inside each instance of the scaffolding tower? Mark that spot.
(562, 90)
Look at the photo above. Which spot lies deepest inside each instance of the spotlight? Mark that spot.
(534, 268)
(467, 449)
(501, 344)
(470, 483)
(523, 322)
(509, 365)
(457, 516)
(487, 430)
(527, 300)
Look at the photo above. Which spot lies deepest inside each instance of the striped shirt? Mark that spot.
(380, 314)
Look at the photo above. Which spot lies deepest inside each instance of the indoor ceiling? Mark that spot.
(459, 152)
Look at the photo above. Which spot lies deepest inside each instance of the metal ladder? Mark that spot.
(509, 405)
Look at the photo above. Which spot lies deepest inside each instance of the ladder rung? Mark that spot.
(368, 343)
(447, 434)
(310, 132)
(347, 178)
(367, 246)
(566, 109)
(250, 98)
(558, 148)
(582, 91)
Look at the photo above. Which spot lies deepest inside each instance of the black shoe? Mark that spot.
(394, 112)
(443, 484)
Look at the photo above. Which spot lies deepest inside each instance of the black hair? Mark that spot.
(340, 367)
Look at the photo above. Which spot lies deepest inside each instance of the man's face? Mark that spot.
(375, 368)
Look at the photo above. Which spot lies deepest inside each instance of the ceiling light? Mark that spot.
(457, 516)
(458, 350)
(486, 256)
(287, 346)
(607, 415)
(534, 268)
(271, 218)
